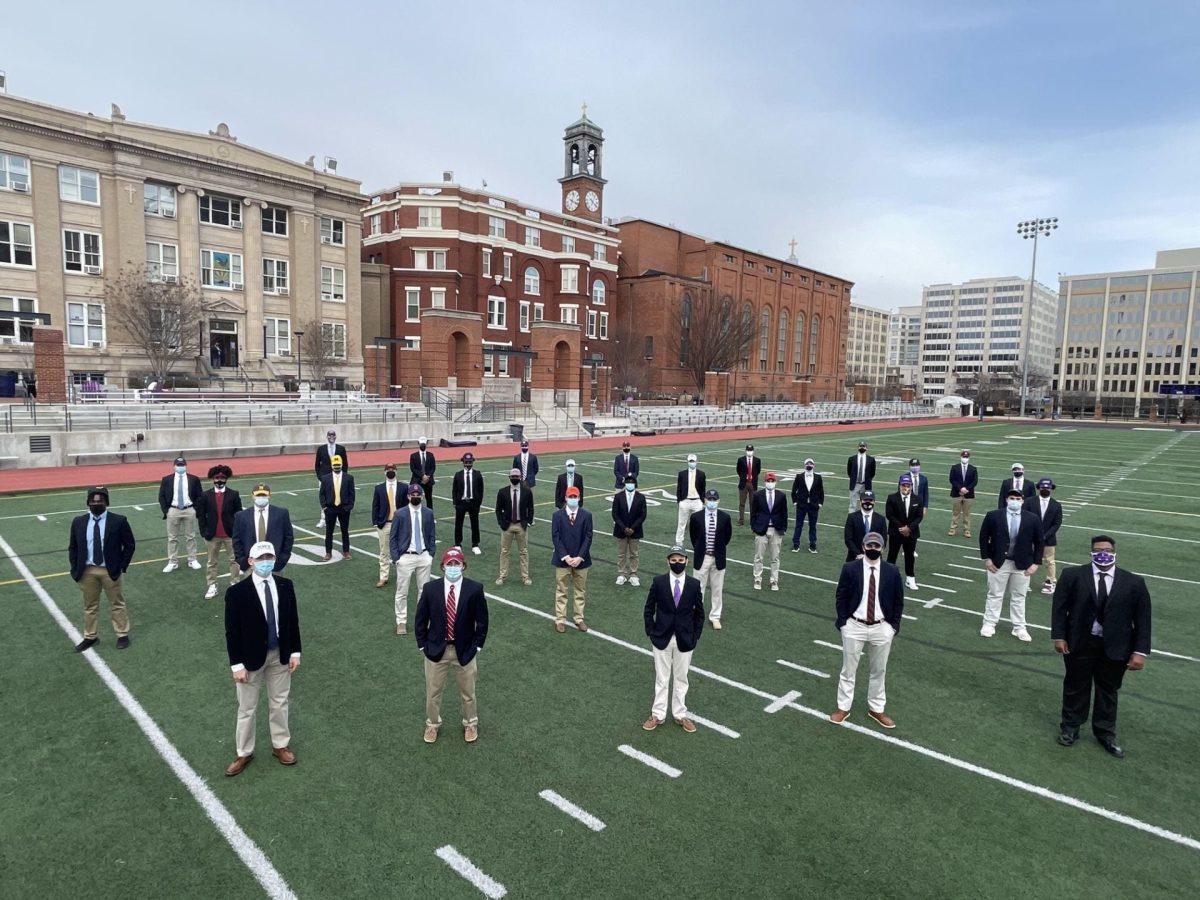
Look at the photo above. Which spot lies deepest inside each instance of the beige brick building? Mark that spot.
(274, 243)
(867, 345)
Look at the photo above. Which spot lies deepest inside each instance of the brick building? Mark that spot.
(801, 315)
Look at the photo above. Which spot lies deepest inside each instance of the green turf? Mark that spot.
(794, 807)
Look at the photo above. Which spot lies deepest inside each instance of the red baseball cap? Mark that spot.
(454, 554)
(572, 492)
(770, 477)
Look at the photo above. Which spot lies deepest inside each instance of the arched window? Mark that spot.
(533, 281)
(764, 338)
(781, 349)
(814, 343)
(685, 328)
(747, 334)
(598, 292)
(798, 347)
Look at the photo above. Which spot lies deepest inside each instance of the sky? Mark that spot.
(899, 143)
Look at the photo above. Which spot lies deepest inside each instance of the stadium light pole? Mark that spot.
(1031, 228)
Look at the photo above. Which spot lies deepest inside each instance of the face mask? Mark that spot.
(261, 502)
(770, 485)
(391, 476)
(179, 470)
(97, 509)
(1014, 505)
(220, 484)
(1045, 493)
(711, 504)
(415, 501)
(1104, 558)
(862, 451)
(678, 567)
(631, 488)
(867, 507)
(966, 459)
(453, 573)
(422, 446)
(572, 502)
(914, 469)
(337, 470)
(1017, 475)
(872, 553)
(570, 470)
(264, 567)
(691, 465)
(514, 481)
(808, 468)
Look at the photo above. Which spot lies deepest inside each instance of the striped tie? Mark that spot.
(871, 598)
(710, 533)
(451, 615)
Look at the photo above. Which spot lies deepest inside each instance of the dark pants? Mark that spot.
(427, 487)
(811, 512)
(1087, 666)
(459, 512)
(337, 515)
(896, 542)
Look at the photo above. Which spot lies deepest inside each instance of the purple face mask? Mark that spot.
(1104, 558)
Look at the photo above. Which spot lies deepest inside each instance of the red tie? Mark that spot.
(871, 597)
(451, 614)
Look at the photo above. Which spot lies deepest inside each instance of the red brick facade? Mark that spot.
(49, 368)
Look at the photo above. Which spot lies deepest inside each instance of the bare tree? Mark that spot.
(160, 320)
(713, 335)
(318, 351)
(630, 367)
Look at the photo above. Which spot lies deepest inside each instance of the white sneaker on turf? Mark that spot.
(758, 584)
(988, 631)
(476, 550)
(915, 554)
(320, 523)
(170, 567)
(774, 585)
(633, 579)
(1022, 635)
(193, 564)
(211, 592)
(620, 579)
(910, 583)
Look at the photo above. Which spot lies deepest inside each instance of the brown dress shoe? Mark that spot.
(381, 583)
(582, 626)
(400, 629)
(651, 723)
(285, 756)
(967, 534)
(838, 716)
(687, 725)
(430, 733)
(882, 718)
(560, 627)
(327, 557)
(235, 767)
(471, 734)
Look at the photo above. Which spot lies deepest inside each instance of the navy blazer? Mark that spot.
(560, 489)
(664, 621)
(699, 539)
(993, 539)
(748, 478)
(323, 463)
(118, 545)
(400, 536)
(379, 501)
(889, 592)
(414, 465)
(166, 492)
(1126, 616)
(279, 533)
(246, 623)
(626, 515)
(761, 518)
(571, 540)
(868, 471)
(802, 496)
(531, 469)
(957, 482)
(681, 484)
(921, 489)
(1027, 490)
(620, 470)
(347, 497)
(1051, 522)
(855, 530)
(470, 619)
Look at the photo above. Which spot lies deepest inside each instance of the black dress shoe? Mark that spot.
(86, 643)
(123, 642)
(1111, 746)
(1068, 736)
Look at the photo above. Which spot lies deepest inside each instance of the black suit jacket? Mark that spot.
(894, 512)
(868, 471)
(802, 496)
(322, 465)
(696, 532)
(166, 492)
(993, 539)
(347, 497)
(1126, 617)
(748, 477)
(458, 488)
(414, 466)
(664, 621)
(626, 515)
(206, 512)
(246, 623)
(854, 530)
(524, 506)
(470, 619)
(560, 489)
(762, 518)
(118, 545)
(681, 484)
(889, 592)
(1027, 490)
(957, 482)
(1052, 520)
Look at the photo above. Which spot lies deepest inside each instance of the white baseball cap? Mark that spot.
(262, 548)
(691, 457)
(570, 462)
(422, 440)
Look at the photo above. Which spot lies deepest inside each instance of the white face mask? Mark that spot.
(1014, 505)
(261, 502)
(692, 464)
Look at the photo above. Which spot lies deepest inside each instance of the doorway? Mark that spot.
(223, 344)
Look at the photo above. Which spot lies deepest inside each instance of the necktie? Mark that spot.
(272, 628)
(418, 543)
(179, 491)
(866, 523)
(391, 492)
(524, 465)
(451, 615)
(710, 533)
(97, 549)
(678, 592)
(337, 490)
(260, 533)
(1014, 524)
(572, 517)
(422, 462)
(871, 598)
(469, 480)
(1102, 598)
(862, 469)
(906, 506)
(770, 499)
(516, 505)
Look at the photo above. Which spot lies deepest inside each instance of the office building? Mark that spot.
(867, 345)
(904, 348)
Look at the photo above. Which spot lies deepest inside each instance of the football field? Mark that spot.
(112, 780)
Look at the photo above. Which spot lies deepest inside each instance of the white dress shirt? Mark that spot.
(1018, 482)
(1045, 502)
(861, 612)
(259, 585)
(175, 491)
(415, 525)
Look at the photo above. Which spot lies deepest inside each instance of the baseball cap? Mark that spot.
(906, 479)
(415, 488)
(1045, 483)
(262, 548)
(867, 495)
(873, 537)
(677, 550)
(454, 554)
(180, 461)
(336, 459)
(262, 489)
(514, 471)
(711, 494)
(572, 492)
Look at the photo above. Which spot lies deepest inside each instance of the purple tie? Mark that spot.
(677, 593)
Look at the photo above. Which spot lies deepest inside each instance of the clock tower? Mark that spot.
(582, 184)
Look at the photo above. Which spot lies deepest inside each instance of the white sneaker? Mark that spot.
(320, 523)
(1022, 635)
(193, 564)
(758, 584)
(915, 554)
(170, 567)
(476, 551)
(633, 579)
(620, 579)
(211, 592)
(774, 585)
(910, 583)
(988, 631)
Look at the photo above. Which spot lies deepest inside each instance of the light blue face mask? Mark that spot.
(573, 502)
(1014, 505)
(179, 470)
(692, 464)
(261, 502)
(264, 567)
(711, 504)
(453, 573)
(570, 468)
(631, 488)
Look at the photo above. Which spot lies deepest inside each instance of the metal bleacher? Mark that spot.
(666, 419)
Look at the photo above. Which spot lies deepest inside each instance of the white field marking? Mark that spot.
(930, 604)
(907, 616)
(487, 885)
(788, 699)
(42, 519)
(249, 853)
(139, 509)
(652, 761)
(837, 647)
(799, 668)
(575, 812)
(715, 726)
(952, 577)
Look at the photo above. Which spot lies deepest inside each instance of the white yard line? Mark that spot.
(788, 699)
(715, 726)
(800, 668)
(575, 812)
(42, 519)
(952, 577)
(652, 761)
(837, 647)
(486, 885)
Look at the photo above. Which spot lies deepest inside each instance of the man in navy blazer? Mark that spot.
(674, 617)
(920, 484)
(389, 496)
(412, 542)
(1010, 544)
(451, 627)
(624, 465)
(179, 494)
(859, 524)
(337, 500)
(528, 464)
(567, 480)
(963, 478)
(860, 469)
(571, 532)
(1049, 513)
(263, 522)
(710, 531)
(1018, 481)
(869, 604)
(100, 550)
(628, 515)
(769, 522)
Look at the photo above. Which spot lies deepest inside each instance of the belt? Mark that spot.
(413, 552)
(866, 622)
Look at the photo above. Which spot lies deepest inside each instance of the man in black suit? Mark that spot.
(337, 499)
(178, 496)
(100, 550)
(263, 522)
(860, 469)
(674, 616)
(527, 464)
(769, 522)
(323, 463)
(1010, 544)
(710, 531)
(1049, 513)
(262, 635)
(690, 485)
(388, 497)
(422, 465)
(904, 513)
(860, 523)
(624, 465)
(1018, 481)
(963, 478)
(1101, 625)
(808, 494)
(514, 514)
(628, 515)
(870, 602)
(748, 469)
(466, 492)
(568, 479)
(214, 514)
(451, 627)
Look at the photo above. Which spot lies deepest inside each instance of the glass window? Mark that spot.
(533, 236)
(221, 269)
(568, 244)
(437, 298)
(685, 328)
(78, 185)
(598, 292)
(333, 231)
(85, 324)
(524, 315)
(158, 200)
(798, 346)
(487, 262)
(376, 223)
(275, 276)
(279, 337)
(604, 326)
(814, 343)
(429, 217)
(333, 283)
(162, 261)
(18, 330)
(495, 226)
(533, 281)
(569, 315)
(16, 244)
(599, 252)
(570, 279)
(508, 267)
(333, 335)
(14, 173)
(764, 338)
(225, 212)
(81, 252)
(275, 221)
(412, 304)
(497, 309)
(539, 312)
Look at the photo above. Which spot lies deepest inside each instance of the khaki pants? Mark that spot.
(745, 495)
(877, 639)
(683, 514)
(856, 497)
(385, 552)
(94, 579)
(961, 506)
(407, 566)
(564, 577)
(514, 532)
(627, 556)
(279, 684)
(435, 683)
(712, 583)
(1015, 583)
(767, 544)
(668, 664)
(214, 554)
(1048, 562)
(181, 521)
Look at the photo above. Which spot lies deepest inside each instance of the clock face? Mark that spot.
(572, 200)
(592, 200)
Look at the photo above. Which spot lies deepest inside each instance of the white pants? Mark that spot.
(763, 544)
(279, 684)
(856, 496)
(712, 582)
(877, 639)
(1014, 581)
(408, 565)
(686, 508)
(181, 521)
(668, 664)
